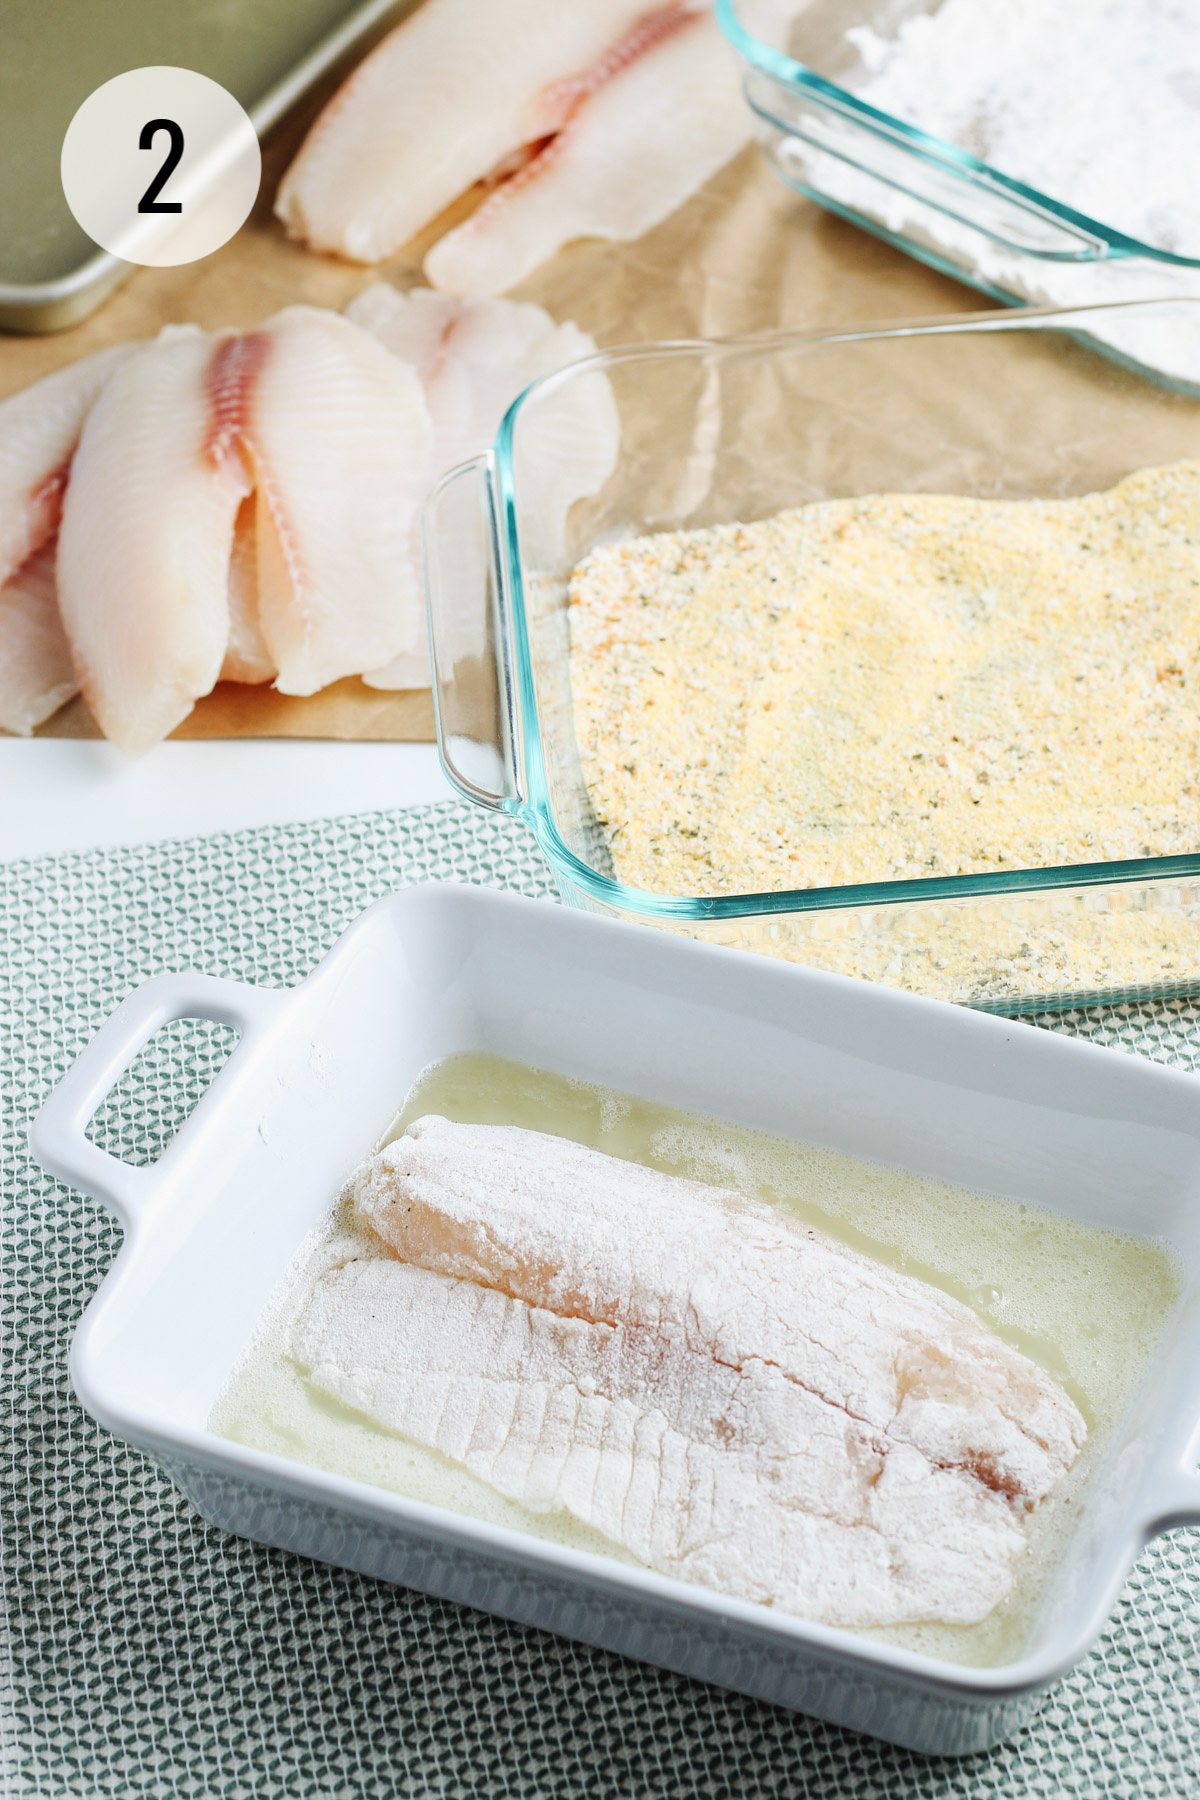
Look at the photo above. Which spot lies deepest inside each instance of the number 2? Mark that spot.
(150, 202)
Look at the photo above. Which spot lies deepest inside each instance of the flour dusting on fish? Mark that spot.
(735, 1400)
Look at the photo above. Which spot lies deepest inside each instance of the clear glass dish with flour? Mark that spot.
(1042, 151)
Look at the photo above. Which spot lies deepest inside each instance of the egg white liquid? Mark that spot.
(1087, 1304)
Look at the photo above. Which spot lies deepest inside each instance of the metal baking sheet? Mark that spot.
(55, 52)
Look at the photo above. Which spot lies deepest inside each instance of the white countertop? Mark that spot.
(81, 794)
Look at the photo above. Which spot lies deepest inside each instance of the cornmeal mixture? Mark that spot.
(900, 685)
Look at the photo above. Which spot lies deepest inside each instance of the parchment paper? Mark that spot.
(744, 254)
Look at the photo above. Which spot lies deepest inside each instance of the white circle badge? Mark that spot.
(161, 166)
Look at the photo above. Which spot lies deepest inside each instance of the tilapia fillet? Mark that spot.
(474, 357)
(167, 577)
(39, 429)
(36, 674)
(582, 118)
(731, 1398)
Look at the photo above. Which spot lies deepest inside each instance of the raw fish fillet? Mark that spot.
(143, 554)
(246, 656)
(615, 111)
(443, 101)
(339, 437)
(734, 1399)
(39, 428)
(36, 673)
(638, 143)
(160, 596)
(474, 357)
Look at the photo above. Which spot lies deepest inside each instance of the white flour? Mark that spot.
(1095, 103)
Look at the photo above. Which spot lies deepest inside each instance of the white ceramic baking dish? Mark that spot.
(318, 1074)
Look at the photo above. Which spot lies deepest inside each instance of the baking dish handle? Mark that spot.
(473, 690)
(58, 1137)
(1177, 1504)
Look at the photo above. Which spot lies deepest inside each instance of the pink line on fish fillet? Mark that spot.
(236, 365)
(238, 361)
(442, 353)
(45, 505)
(566, 96)
(563, 101)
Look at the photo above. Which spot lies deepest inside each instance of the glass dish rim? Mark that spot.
(1113, 245)
(532, 803)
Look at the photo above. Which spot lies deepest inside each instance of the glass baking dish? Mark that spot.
(691, 434)
(929, 197)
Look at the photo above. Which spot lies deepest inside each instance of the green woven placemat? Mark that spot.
(151, 1655)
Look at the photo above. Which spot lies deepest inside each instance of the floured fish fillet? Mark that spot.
(616, 111)
(143, 555)
(338, 434)
(474, 357)
(36, 672)
(733, 1399)
(649, 127)
(39, 429)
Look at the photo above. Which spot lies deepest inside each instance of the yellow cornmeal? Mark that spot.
(896, 686)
